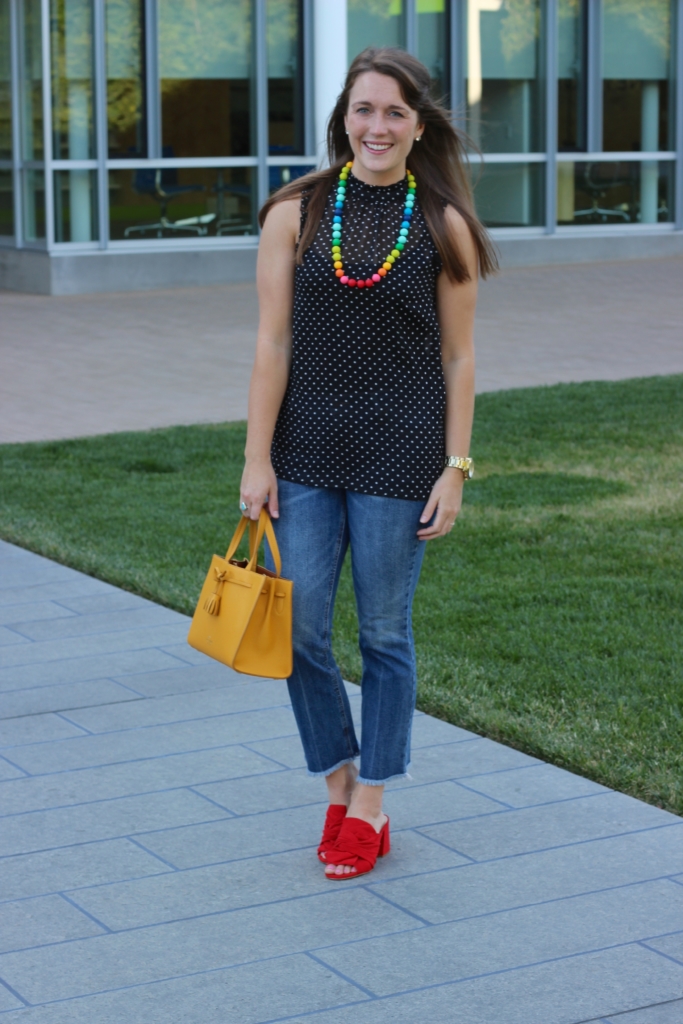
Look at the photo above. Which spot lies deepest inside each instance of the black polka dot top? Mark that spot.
(365, 403)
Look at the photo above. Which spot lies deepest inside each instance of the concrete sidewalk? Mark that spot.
(158, 852)
(92, 364)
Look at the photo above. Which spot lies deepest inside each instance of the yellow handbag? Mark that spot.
(244, 613)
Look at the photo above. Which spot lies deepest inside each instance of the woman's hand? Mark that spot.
(258, 487)
(445, 500)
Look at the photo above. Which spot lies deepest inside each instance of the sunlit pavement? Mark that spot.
(92, 364)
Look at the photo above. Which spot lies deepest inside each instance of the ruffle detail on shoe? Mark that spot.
(334, 820)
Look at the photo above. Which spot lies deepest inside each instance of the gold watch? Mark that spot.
(456, 462)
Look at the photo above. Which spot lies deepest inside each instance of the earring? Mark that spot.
(347, 133)
(417, 137)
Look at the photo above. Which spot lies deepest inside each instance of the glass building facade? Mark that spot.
(158, 126)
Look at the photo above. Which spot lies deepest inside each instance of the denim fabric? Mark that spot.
(315, 528)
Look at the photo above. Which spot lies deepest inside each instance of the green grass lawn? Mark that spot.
(551, 618)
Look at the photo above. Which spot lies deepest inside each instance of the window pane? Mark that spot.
(571, 86)
(34, 205)
(509, 195)
(75, 206)
(190, 202)
(374, 23)
(504, 101)
(72, 70)
(205, 66)
(279, 176)
(5, 85)
(6, 204)
(32, 84)
(284, 36)
(635, 70)
(615, 192)
(125, 78)
(432, 42)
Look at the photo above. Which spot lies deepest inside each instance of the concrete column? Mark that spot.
(329, 63)
(649, 142)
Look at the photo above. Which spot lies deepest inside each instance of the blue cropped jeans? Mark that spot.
(314, 530)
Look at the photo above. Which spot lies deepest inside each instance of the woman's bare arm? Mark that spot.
(275, 281)
(456, 303)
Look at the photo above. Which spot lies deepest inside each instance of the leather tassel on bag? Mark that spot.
(212, 605)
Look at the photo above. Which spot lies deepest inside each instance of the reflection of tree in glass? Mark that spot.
(282, 29)
(652, 18)
(520, 26)
(377, 8)
(71, 39)
(124, 65)
(124, 100)
(203, 39)
(569, 8)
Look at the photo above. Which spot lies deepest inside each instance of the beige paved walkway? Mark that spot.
(86, 364)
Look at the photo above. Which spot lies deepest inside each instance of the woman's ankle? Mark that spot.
(366, 804)
(341, 783)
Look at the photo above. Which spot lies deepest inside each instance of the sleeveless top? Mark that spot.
(364, 408)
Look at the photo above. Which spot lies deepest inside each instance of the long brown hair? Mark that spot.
(439, 163)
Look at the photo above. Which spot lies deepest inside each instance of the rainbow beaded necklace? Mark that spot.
(337, 233)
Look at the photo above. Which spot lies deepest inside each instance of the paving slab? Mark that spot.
(178, 949)
(508, 939)
(536, 784)
(157, 852)
(662, 1013)
(575, 990)
(22, 704)
(266, 991)
(41, 921)
(183, 707)
(242, 883)
(15, 732)
(72, 867)
(539, 877)
(550, 825)
(134, 778)
(114, 665)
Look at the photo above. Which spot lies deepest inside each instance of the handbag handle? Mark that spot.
(256, 533)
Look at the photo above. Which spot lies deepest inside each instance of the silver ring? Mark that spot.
(244, 507)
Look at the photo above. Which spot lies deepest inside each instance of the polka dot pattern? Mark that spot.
(365, 404)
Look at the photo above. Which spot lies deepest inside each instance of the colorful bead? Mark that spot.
(399, 245)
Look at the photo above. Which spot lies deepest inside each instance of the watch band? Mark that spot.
(464, 464)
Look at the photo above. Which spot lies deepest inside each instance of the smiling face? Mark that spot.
(382, 129)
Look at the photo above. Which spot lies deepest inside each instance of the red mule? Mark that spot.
(358, 846)
(333, 823)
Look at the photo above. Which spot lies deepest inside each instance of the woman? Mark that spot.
(363, 386)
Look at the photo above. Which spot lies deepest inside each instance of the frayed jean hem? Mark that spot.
(329, 771)
(383, 782)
